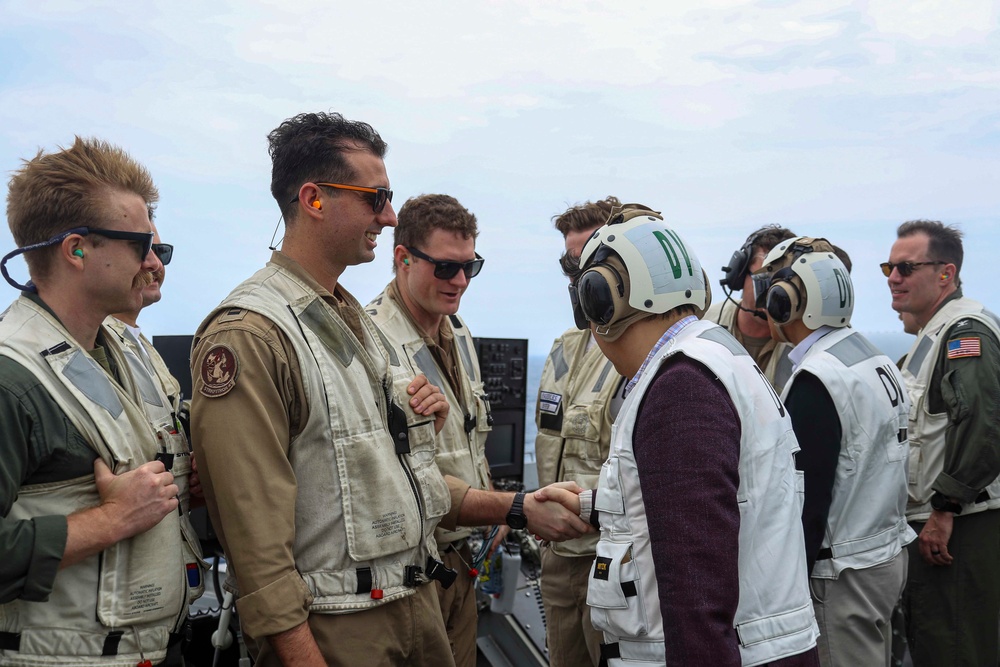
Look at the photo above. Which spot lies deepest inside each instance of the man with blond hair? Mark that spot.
(94, 558)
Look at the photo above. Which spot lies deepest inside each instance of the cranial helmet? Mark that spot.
(635, 267)
(802, 279)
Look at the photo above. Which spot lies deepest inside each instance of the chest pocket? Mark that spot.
(581, 433)
(613, 592)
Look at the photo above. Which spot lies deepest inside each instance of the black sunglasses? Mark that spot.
(905, 269)
(164, 251)
(448, 270)
(141, 241)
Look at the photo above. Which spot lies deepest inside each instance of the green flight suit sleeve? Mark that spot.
(968, 388)
(33, 431)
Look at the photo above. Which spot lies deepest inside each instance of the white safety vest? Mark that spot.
(573, 415)
(867, 520)
(779, 366)
(927, 430)
(461, 444)
(774, 618)
(112, 608)
(380, 489)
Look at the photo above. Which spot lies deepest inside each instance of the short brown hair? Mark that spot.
(54, 192)
(944, 242)
(587, 215)
(422, 214)
(768, 236)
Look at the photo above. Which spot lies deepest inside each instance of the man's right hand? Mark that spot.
(131, 503)
(551, 514)
(136, 500)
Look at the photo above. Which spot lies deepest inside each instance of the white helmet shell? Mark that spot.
(829, 291)
(663, 271)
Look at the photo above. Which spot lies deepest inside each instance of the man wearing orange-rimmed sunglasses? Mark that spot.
(315, 444)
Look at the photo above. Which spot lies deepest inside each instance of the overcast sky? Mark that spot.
(836, 119)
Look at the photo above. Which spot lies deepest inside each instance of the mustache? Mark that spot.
(143, 279)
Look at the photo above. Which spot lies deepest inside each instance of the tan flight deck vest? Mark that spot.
(927, 431)
(866, 525)
(774, 618)
(779, 366)
(161, 399)
(151, 359)
(134, 593)
(368, 501)
(573, 415)
(461, 444)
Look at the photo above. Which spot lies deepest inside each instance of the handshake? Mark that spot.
(553, 512)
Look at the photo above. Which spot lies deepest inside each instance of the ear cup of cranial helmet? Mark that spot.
(601, 295)
(783, 301)
(735, 273)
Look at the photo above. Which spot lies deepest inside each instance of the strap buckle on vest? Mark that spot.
(10, 641)
(436, 570)
(470, 423)
(413, 576)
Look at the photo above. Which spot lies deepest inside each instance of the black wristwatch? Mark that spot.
(515, 517)
(942, 504)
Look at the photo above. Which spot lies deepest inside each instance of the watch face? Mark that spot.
(517, 521)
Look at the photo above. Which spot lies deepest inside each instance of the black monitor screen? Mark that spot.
(500, 445)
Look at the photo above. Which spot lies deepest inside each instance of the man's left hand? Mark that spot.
(934, 538)
(427, 399)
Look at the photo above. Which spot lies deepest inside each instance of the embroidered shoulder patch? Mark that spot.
(963, 347)
(219, 370)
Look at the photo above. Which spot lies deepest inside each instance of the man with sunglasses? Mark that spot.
(126, 325)
(315, 443)
(93, 566)
(579, 396)
(952, 374)
(434, 262)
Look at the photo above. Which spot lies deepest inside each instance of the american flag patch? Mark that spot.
(963, 347)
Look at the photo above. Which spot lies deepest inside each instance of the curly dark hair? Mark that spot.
(311, 147)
